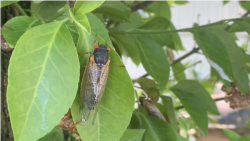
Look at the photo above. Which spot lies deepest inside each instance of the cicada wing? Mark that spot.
(100, 86)
(87, 94)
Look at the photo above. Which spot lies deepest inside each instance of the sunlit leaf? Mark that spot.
(154, 60)
(43, 77)
(132, 135)
(46, 9)
(5, 3)
(24, 23)
(82, 7)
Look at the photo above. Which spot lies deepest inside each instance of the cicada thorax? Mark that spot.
(94, 82)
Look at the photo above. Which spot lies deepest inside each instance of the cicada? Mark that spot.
(151, 109)
(94, 81)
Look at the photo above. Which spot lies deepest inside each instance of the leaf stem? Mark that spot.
(19, 8)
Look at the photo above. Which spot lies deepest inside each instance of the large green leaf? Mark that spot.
(231, 135)
(169, 108)
(245, 4)
(114, 10)
(42, 83)
(5, 3)
(132, 135)
(47, 9)
(117, 104)
(195, 108)
(20, 25)
(82, 7)
(154, 60)
(55, 135)
(197, 89)
(224, 55)
(156, 129)
(150, 88)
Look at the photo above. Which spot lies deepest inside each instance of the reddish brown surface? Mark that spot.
(67, 123)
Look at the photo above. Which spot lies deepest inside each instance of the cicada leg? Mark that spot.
(116, 63)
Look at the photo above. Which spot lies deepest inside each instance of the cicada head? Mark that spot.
(101, 55)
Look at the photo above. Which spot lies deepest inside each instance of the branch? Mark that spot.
(19, 8)
(247, 13)
(141, 6)
(218, 99)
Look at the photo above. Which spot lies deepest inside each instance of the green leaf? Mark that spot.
(150, 88)
(114, 10)
(177, 44)
(156, 129)
(43, 77)
(248, 123)
(231, 135)
(111, 12)
(244, 138)
(245, 4)
(244, 24)
(82, 7)
(169, 108)
(225, 2)
(198, 90)
(55, 135)
(154, 60)
(5, 3)
(178, 70)
(47, 9)
(160, 9)
(132, 135)
(181, 2)
(224, 55)
(195, 108)
(117, 103)
(38, 1)
(82, 22)
(24, 23)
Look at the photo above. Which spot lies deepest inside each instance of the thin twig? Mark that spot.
(218, 99)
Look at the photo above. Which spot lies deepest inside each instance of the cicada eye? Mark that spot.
(108, 49)
(96, 46)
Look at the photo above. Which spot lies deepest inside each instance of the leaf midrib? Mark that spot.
(42, 71)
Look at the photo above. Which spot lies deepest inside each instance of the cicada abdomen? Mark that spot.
(94, 82)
